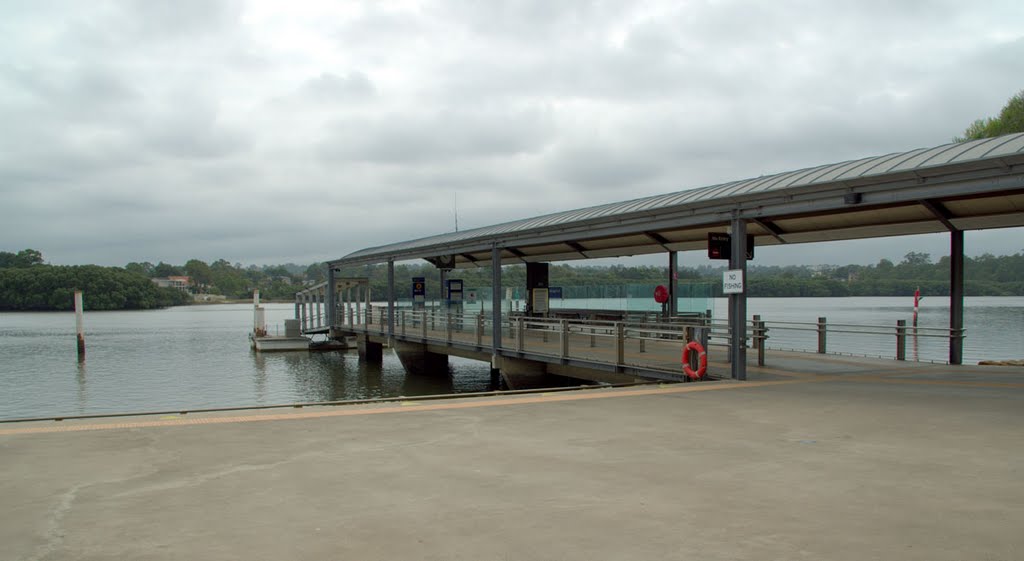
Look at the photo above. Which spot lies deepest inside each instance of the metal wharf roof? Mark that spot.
(969, 185)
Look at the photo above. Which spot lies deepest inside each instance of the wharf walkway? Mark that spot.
(842, 459)
(607, 351)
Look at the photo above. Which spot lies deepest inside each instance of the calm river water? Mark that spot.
(198, 356)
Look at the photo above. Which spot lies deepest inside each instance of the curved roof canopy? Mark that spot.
(970, 185)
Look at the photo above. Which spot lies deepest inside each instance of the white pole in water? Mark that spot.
(79, 325)
(256, 312)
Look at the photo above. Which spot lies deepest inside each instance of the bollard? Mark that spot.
(564, 324)
(759, 337)
(620, 344)
(822, 331)
(901, 339)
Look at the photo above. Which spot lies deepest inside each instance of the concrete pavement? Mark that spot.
(917, 463)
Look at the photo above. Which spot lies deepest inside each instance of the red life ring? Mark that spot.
(660, 294)
(702, 357)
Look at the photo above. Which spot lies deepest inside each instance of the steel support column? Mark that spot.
(738, 302)
(358, 300)
(956, 297)
(673, 283)
(332, 298)
(443, 273)
(391, 299)
(495, 304)
(316, 306)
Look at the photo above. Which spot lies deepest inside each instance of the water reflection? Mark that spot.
(80, 378)
(259, 375)
(339, 375)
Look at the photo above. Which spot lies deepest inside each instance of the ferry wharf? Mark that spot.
(814, 458)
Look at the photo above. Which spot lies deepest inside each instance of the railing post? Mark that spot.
(643, 343)
(448, 328)
(423, 324)
(564, 324)
(822, 332)
(901, 339)
(480, 329)
(401, 321)
(593, 337)
(620, 344)
(521, 336)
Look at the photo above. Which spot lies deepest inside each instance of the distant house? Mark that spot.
(183, 284)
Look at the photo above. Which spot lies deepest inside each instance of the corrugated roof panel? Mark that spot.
(713, 192)
(633, 206)
(876, 168)
(881, 162)
(778, 179)
(979, 149)
(843, 173)
(1014, 146)
(947, 155)
(859, 169)
(803, 177)
(921, 158)
(658, 201)
(830, 172)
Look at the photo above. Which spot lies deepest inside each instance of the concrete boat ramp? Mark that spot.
(852, 459)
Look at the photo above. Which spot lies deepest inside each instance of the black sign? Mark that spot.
(419, 288)
(720, 246)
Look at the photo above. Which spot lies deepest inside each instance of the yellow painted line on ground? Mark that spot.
(343, 411)
(886, 379)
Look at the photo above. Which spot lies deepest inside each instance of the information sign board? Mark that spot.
(732, 282)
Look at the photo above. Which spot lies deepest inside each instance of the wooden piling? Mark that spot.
(79, 325)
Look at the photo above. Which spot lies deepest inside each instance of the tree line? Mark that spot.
(27, 283)
(987, 275)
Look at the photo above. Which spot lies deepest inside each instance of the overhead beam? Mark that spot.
(577, 248)
(658, 239)
(471, 259)
(518, 254)
(772, 228)
(941, 213)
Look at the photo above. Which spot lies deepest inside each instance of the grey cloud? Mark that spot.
(447, 134)
(329, 87)
(140, 131)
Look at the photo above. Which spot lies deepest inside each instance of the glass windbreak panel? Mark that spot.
(693, 297)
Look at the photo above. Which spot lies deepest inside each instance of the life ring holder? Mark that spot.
(702, 357)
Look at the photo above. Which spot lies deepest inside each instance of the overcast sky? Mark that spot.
(269, 132)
